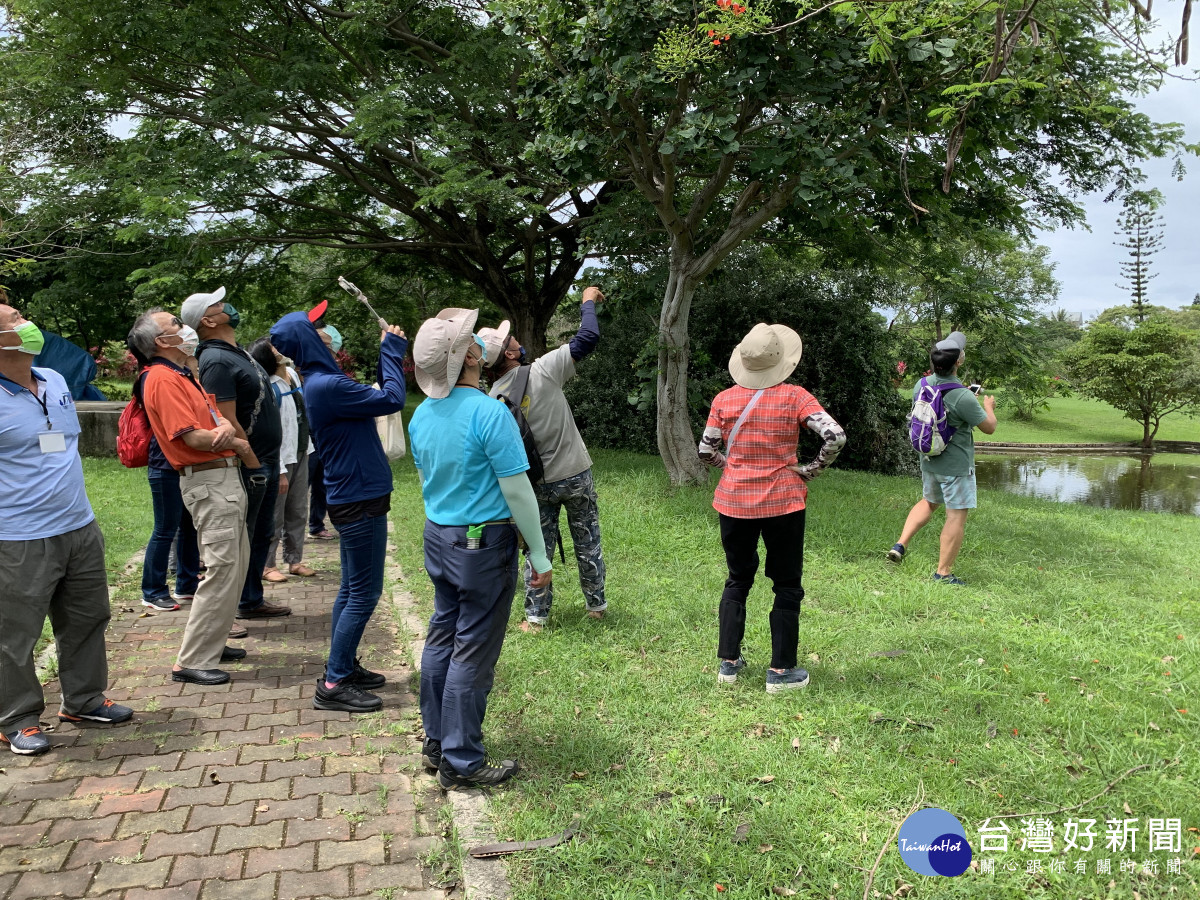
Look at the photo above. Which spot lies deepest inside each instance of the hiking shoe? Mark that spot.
(729, 671)
(164, 603)
(265, 610)
(786, 680)
(948, 579)
(107, 712)
(484, 776)
(26, 741)
(177, 595)
(431, 754)
(365, 678)
(896, 554)
(200, 676)
(345, 696)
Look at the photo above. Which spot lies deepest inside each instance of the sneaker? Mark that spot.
(786, 680)
(896, 554)
(365, 678)
(729, 671)
(484, 776)
(107, 712)
(431, 754)
(345, 696)
(947, 579)
(26, 741)
(164, 603)
(233, 654)
(176, 595)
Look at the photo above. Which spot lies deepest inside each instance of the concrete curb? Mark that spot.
(482, 879)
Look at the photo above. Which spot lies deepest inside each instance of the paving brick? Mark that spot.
(13, 812)
(163, 762)
(235, 837)
(193, 843)
(200, 868)
(170, 821)
(124, 803)
(241, 737)
(115, 876)
(340, 853)
(261, 888)
(207, 711)
(206, 795)
(144, 747)
(208, 758)
(23, 835)
(87, 852)
(324, 785)
(232, 773)
(7, 881)
(189, 743)
(98, 768)
(113, 784)
(304, 808)
(266, 790)
(253, 753)
(189, 891)
(336, 765)
(81, 829)
(202, 816)
(36, 859)
(303, 733)
(42, 790)
(327, 829)
(299, 858)
(288, 693)
(331, 883)
(183, 778)
(375, 878)
(308, 767)
(287, 717)
(40, 885)
(59, 809)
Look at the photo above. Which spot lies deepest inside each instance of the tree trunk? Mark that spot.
(1147, 434)
(676, 441)
(529, 323)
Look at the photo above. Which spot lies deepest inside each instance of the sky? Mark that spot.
(1087, 263)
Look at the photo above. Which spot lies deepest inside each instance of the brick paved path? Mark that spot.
(237, 791)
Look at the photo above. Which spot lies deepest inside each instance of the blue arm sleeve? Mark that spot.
(518, 494)
(588, 335)
(360, 401)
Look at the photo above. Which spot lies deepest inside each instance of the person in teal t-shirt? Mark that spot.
(949, 477)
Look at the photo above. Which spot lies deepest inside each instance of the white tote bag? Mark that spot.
(391, 434)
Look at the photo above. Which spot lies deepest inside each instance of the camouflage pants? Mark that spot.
(578, 495)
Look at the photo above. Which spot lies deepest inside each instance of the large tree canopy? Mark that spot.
(844, 122)
(383, 126)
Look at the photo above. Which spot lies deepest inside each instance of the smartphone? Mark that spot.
(975, 389)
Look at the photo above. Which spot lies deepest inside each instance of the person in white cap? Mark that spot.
(949, 478)
(566, 480)
(763, 492)
(472, 464)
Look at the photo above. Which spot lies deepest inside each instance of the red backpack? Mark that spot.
(133, 431)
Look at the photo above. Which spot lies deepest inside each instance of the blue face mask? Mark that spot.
(235, 317)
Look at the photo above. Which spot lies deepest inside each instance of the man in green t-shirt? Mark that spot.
(949, 477)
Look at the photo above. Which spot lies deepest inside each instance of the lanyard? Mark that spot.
(41, 400)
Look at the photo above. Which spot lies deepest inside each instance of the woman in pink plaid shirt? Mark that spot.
(763, 491)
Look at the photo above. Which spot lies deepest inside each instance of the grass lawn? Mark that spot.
(1072, 420)
(1069, 659)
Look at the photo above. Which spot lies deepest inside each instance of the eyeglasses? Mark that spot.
(177, 322)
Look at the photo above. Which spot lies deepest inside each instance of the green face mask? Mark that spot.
(31, 336)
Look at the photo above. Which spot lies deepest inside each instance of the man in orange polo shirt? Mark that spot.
(203, 447)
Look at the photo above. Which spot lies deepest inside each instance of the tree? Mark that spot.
(384, 127)
(843, 124)
(1147, 372)
(1140, 224)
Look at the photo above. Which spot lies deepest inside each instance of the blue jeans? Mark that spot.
(169, 517)
(473, 595)
(363, 553)
(262, 487)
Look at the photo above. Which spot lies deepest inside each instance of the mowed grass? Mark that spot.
(1069, 659)
(1072, 420)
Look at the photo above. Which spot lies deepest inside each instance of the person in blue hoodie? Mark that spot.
(358, 484)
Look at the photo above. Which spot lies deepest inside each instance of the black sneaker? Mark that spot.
(26, 741)
(345, 696)
(365, 678)
(431, 754)
(484, 776)
(166, 604)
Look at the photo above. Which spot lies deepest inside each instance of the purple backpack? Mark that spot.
(927, 429)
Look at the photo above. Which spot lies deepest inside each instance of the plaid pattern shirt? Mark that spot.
(755, 481)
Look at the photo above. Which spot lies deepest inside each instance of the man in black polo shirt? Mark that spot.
(244, 397)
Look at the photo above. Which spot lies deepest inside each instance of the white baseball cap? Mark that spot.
(196, 305)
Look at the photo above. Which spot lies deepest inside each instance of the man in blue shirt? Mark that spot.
(472, 463)
(51, 549)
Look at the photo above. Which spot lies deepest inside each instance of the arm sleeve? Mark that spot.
(518, 494)
(360, 401)
(823, 424)
(588, 335)
(711, 441)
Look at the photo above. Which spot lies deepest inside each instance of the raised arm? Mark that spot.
(824, 425)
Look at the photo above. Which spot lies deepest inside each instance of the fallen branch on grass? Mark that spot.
(892, 839)
(1064, 809)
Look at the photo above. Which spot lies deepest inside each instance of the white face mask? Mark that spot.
(189, 340)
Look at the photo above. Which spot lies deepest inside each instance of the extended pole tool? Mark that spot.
(352, 289)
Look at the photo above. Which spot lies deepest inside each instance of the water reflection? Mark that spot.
(1158, 483)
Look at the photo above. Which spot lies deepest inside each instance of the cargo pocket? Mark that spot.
(193, 495)
(219, 544)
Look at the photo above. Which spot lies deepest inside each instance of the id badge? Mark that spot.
(53, 441)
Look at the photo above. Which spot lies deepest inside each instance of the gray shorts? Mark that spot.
(956, 491)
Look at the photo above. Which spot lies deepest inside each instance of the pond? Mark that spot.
(1161, 482)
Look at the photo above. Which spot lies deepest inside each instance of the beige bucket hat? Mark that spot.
(493, 342)
(766, 356)
(439, 349)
